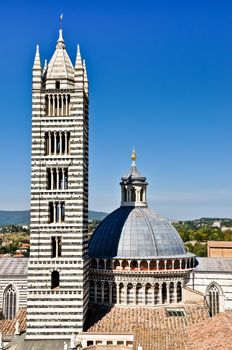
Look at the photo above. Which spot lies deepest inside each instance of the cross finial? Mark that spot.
(61, 17)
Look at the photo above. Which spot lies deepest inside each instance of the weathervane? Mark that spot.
(61, 17)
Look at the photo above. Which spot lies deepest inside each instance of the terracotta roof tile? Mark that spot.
(7, 327)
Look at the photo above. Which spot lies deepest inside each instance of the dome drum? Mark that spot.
(161, 265)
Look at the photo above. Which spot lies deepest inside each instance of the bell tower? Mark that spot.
(58, 264)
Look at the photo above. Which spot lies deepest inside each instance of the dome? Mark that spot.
(135, 232)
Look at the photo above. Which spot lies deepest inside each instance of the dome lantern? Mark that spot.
(133, 186)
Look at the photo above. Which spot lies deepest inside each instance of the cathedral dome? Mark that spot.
(135, 232)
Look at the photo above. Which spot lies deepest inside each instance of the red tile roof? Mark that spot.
(7, 327)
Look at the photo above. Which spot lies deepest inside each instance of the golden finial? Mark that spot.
(133, 156)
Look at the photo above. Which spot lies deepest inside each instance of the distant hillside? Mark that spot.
(23, 217)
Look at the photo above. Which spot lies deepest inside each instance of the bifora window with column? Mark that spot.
(56, 246)
(57, 178)
(57, 143)
(56, 212)
(57, 105)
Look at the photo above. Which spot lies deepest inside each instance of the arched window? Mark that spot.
(55, 280)
(93, 264)
(101, 264)
(213, 300)
(133, 195)
(148, 294)
(156, 294)
(139, 294)
(179, 292)
(134, 265)
(109, 264)
(144, 265)
(164, 293)
(9, 302)
(130, 294)
(125, 265)
(124, 195)
(171, 293)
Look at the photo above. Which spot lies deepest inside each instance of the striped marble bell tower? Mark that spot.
(58, 264)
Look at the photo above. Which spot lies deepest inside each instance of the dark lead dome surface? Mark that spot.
(135, 232)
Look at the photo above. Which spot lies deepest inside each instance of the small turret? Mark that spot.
(86, 82)
(79, 70)
(78, 63)
(134, 186)
(37, 71)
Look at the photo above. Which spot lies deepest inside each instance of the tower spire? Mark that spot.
(37, 61)
(86, 83)
(78, 63)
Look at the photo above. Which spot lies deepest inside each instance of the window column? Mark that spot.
(102, 292)
(66, 104)
(57, 178)
(63, 178)
(66, 143)
(117, 293)
(54, 211)
(160, 294)
(144, 294)
(95, 291)
(61, 142)
(110, 292)
(168, 292)
(175, 293)
(53, 105)
(55, 143)
(52, 185)
(134, 291)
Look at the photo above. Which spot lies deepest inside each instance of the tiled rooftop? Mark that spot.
(213, 333)
(13, 266)
(153, 328)
(214, 264)
(7, 327)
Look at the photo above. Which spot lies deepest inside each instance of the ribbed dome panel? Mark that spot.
(135, 232)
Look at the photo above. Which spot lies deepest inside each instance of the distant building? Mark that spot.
(219, 249)
(216, 224)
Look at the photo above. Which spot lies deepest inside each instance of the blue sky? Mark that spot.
(160, 79)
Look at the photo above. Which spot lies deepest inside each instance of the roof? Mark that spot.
(214, 265)
(13, 266)
(60, 65)
(133, 172)
(135, 232)
(213, 333)
(21, 344)
(152, 327)
(7, 327)
(219, 244)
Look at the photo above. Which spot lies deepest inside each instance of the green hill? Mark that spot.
(23, 217)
